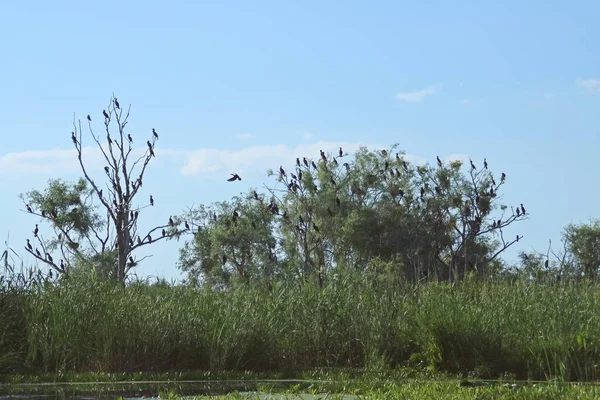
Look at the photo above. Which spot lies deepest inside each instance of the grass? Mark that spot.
(519, 331)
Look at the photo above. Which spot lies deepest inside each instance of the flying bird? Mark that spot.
(234, 177)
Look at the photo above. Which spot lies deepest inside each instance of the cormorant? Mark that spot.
(151, 200)
(105, 114)
(234, 177)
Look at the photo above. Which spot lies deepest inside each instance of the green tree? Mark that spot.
(583, 242)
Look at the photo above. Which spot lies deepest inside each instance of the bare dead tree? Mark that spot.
(125, 169)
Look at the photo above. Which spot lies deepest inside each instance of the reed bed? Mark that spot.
(518, 330)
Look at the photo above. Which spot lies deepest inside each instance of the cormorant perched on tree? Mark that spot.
(235, 215)
(129, 138)
(29, 246)
(62, 264)
(384, 152)
(518, 211)
(522, 209)
(503, 178)
(323, 156)
(106, 169)
(224, 259)
(305, 161)
(100, 193)
(518, 238)
(313, 164)
(171, 223)
(281, 171)
(105, 114)
(255, 195)
(164, 233)
(472, 165)
(29, 209)
(36, 230)
(149, 238)
(485, 164)
(297, 161)
(49, 257)
(117, 104)
(405, 166)
(341, 152)
(332, 181)
(154, 134)
(89, 118)
(187, 226)
(499, 223)
(151, 200)
(299, 175)
(73, 138)
(234, 177)
(547, 263)
(439, 161)
(38, 253)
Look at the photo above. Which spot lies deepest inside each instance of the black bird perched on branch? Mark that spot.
(405, 166)
(485, 164)
(323, 156)
(518, 211)
(297, 161)
(255, 195)
(49, 257)
(89, 118)
(129, 138)
(518, 238)
(439, 161)
(281, 171)
(29, 209)
(187, 226)
(341, 152)
(472, 165)
(171, 221)
(503, 178)
(305, 161)
(151, 200)
(316, 228)
(164, 233)
(313, 164)
(100, 193)
(522, 209)
(117, 104)
(106, 169)
(154, 134)
(36, 230)
(384, 152)
(234, 177)
(105, 114)
(38, 253)
(29, 246)
(73, 138)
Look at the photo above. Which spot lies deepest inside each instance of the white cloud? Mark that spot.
(245, 136)
(417, 96)
(589, 84)
(307, 135)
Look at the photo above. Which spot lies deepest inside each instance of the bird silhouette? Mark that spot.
(337, 201)
(472, 165)
(439, 162)
(313, 164)
(105, 114)
(89, 118)
(151, 200)
(405, 166)
(187, 226)
(234, 177)
(323, 156)
(29, 246)
(298, 161)
(154, 133)
(164, 233)
(38, 253)
(384, 153)
(485, 164)
(522, 209)
(518, 211)
(281, 171)
(503, 178)
(106, 169)
(49, 257)
(36, 230)
(341, 152)
(73, 138)
(171, 221)
(305, 161)
(129, 138)
(224, 259)
(518, 238)
(29, 209)
(316, 228)
(547, 263)
(100, 193)
(117, 104)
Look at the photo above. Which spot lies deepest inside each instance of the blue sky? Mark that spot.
(243, 86)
